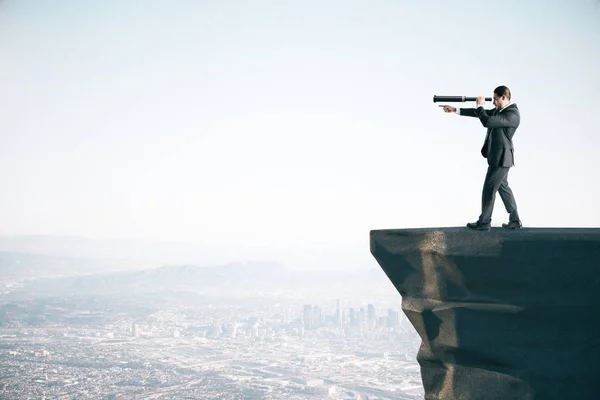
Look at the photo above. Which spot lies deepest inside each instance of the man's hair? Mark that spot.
(502, 91)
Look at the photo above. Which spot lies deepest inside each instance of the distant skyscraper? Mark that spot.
(317, 317)
(392, 319)
(361, 317)
(135, 330)
(307, 317)
(371, 318)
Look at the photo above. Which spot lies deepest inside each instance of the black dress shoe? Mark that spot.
(513, 225)
(478, 226)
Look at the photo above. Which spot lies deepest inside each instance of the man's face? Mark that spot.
(500, 102)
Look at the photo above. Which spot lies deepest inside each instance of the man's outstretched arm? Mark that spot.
(471, 112)
(468, 112)
(507, 119)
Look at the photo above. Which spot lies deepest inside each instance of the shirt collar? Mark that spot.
(502, 109)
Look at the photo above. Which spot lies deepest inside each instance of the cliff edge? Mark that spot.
(503, 315)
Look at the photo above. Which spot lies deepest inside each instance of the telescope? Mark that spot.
(456, 99)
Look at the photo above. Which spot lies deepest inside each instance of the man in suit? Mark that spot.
(501, 123)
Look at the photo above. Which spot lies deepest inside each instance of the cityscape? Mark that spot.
(71, 337)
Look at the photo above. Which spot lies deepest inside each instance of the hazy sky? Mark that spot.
(280, 122)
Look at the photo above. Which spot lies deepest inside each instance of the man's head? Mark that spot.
(501, 96)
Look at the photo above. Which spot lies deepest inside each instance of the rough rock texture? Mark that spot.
(503, 315)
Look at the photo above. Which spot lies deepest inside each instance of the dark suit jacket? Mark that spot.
(501, 127)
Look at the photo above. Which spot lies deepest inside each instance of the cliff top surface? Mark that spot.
(526, 230)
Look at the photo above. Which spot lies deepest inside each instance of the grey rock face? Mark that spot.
(503, 315)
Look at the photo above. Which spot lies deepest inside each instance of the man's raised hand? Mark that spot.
(448, 109)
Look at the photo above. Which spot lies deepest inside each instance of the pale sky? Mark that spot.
(280, 122)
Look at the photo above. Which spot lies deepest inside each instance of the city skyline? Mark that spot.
(165, 334)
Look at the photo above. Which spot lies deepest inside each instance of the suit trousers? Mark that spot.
(496, 180)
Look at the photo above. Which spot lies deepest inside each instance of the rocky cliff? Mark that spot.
(503, 315)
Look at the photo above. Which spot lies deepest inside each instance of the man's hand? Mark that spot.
(480, 100)
(449, 109)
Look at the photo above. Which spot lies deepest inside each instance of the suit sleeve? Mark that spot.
(472, 112)
(508, 119)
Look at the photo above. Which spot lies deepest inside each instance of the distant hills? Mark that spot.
(233, 279)
(133, 251)
(109, 250)
(77, 265)
(17, 266)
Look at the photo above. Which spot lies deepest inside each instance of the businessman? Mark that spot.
(501, 123)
